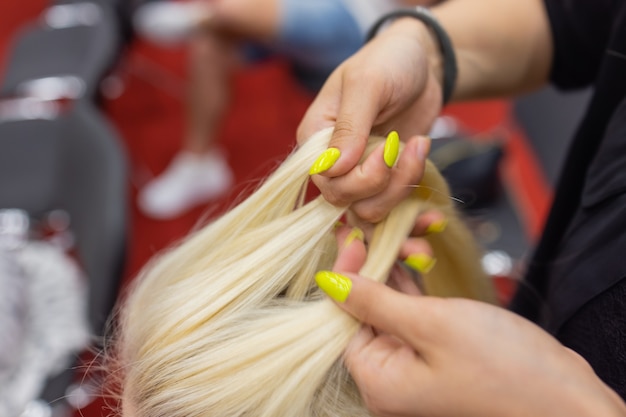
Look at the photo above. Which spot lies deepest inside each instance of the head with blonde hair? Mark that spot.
(230, 322)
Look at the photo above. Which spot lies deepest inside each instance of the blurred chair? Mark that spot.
(72, 161)
(57, 151)
(55, 158)
(66, 53)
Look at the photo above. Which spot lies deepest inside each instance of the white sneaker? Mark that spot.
(169, 22)
(188, 181)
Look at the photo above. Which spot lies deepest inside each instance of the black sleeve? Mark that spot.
(580, 30)
(598, 333)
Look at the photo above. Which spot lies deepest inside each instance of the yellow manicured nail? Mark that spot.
(392, 147)
(325, 161)
(420, 262)
(437, 226)
(339, 224)
(355, 233)
(335, 285)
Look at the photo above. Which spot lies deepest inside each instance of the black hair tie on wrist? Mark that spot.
(445, 44)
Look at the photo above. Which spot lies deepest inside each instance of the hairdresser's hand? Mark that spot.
(390, 84)
(426, 356)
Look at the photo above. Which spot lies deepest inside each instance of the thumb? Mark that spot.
(357, 110)
(410, 318)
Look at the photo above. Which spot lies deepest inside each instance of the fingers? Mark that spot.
(352, 253)
(321, 113)
(351, 109)
(389, 373)
(382, 307)
(402, 280)
(351, 101)
(365, 180)
(375, 186)
(358, 108)
(374, 204)
(429, 222)
(416, 252)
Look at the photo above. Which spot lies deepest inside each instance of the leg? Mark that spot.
(199, 172)
(251, 19)
(210, 64)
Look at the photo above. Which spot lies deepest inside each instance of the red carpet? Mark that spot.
(258, 131)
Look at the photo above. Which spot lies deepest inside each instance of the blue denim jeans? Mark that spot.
(317, 35)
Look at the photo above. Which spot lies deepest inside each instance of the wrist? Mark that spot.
(429, 42)
(433, 38)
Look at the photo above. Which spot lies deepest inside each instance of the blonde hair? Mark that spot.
(230, 322)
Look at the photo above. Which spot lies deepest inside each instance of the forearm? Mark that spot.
(503, 47)
(253, 19)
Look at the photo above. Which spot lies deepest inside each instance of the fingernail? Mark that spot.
(437, 226)
(338, 224)
(355, 233)
(325, 161)
(392, 147)
(336, 286)
(423, 147)
(420, 262)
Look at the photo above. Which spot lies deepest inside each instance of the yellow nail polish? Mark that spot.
(420, 262)
(339, 224)
(325, 161)
(437, 226)
(335, 285)
(355, 233)
(392, 148)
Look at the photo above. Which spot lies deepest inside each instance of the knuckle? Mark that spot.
(344, 129)
(335, 197)
(357, 75)
(378, 182)
(370, 213)
(372, 180)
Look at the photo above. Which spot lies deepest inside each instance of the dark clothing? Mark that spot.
(576, 280)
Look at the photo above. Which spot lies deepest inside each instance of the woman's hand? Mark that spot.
(390, 84)
(426, 356)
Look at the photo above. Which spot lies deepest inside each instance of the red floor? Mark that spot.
(257, 133)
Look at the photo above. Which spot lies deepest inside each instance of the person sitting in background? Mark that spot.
(315, 36)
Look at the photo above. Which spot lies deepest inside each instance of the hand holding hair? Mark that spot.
(389, 84)
(235, 325)
(427, 356)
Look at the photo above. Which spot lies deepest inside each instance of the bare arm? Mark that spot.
(503, 47)
(254, 19)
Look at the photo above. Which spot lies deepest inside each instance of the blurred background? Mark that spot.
(91, 112)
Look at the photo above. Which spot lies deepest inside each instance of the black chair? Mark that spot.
(53, 158)
(66, 53)
(72, 162)
(44, 149)
(57, 152)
